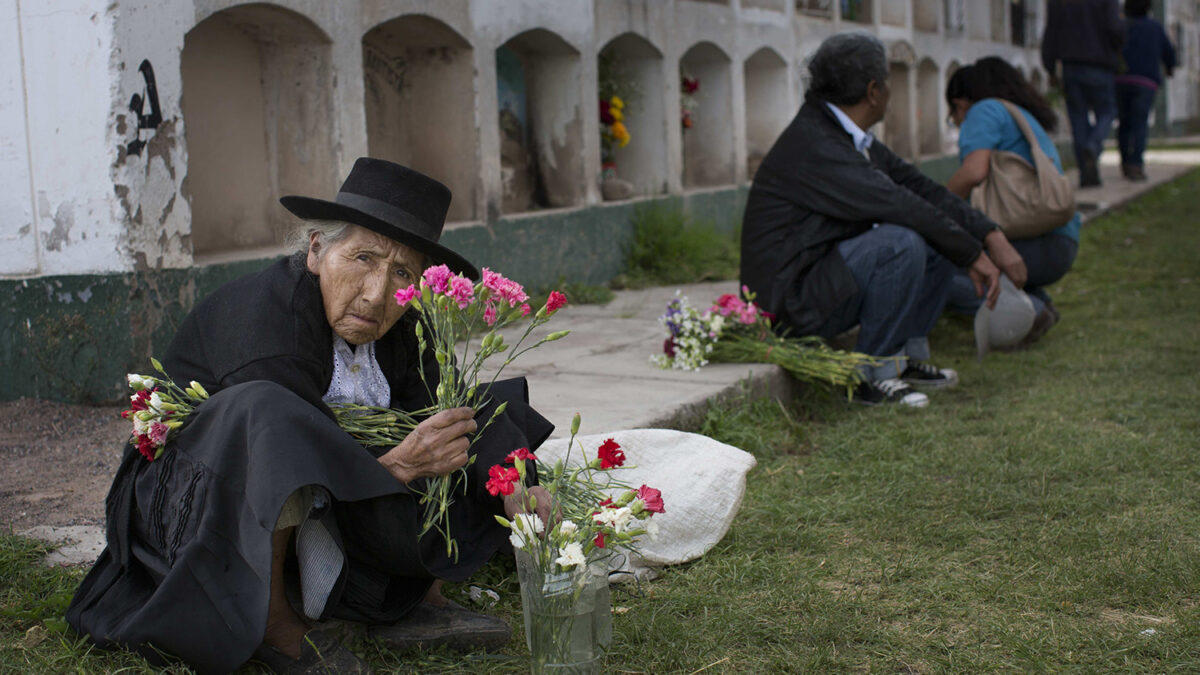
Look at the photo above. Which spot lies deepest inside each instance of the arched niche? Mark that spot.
(858, 11)
(925, 15)
(418, 88)
(949, 130)
(773, 5)
(899, 113)
(767, 111)
(929, 119)
(541, 122)
(892, 13)
(1038, 82)
(820, 8)
(708, 144)
(635, 69)
(257, 89)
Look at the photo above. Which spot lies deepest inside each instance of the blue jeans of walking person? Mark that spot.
(1048, 258)
(1134, 103)
(902, 289)
(1089, 89)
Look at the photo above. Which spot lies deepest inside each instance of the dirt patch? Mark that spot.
(58, 461)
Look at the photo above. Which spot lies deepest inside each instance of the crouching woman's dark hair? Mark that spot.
(844, 65)
(993, 77)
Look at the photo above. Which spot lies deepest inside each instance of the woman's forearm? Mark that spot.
(974, 170)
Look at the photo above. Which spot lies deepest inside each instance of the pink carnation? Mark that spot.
(525, 309)
(158, 433)
(489, 313)
(406, 295)
(462, 290)
(555, 302)
(505, 289)
(438, 278)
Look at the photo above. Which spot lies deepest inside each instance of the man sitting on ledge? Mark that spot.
(840, 232)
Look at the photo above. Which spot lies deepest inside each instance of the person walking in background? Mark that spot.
(1146, 46)
(1085, 36)
(974, 94)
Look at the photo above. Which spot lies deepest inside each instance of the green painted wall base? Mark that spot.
(73, 338)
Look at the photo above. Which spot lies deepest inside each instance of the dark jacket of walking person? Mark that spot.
(974, 94)
(839, 231)
(1146, 47)
(1085, 37)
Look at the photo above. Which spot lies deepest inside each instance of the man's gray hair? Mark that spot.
(330, 231)
(843, 66)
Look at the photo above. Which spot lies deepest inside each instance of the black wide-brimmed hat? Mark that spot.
(393, 200)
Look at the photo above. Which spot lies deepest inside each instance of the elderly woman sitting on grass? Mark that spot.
(262, 514)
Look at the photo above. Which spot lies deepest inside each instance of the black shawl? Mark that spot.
(187, 565)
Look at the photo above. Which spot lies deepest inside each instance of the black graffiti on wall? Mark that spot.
(137, 105)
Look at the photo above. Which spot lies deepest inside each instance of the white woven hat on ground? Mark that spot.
(1005, 325)
(702, 483)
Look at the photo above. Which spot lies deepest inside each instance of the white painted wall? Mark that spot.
(74, 201)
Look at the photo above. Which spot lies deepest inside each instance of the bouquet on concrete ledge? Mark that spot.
(734, 330)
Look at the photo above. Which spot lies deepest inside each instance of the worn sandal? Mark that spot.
(319, 653)
(450, 625)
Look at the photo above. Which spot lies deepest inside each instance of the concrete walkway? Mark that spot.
(603, 371)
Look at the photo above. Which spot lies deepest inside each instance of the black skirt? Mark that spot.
(186, 572)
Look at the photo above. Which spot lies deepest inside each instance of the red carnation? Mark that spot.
(690, 85)
(500, 480)
(146, 447)
(599, 540)
(651, 498)
(555, 302)
(610, 454)
(669, 347)
(520, 453)
(606, 117)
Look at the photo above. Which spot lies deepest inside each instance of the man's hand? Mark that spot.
(519, 502)
(1002, 253)
(985, 275)
(435, 448)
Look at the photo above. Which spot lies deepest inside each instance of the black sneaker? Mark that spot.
(922, 374)
(889, 391)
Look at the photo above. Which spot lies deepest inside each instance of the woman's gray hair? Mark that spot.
(843, 66)
(330, 231)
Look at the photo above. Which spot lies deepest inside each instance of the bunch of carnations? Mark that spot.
(688, 86)
(735, 330)
(596, 512)
(453, 312)
(157, 409)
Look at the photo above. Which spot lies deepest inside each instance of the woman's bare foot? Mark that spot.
(285, 628)
(434, 595)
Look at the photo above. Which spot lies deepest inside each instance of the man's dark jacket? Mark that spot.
(814, 190)
(1083, 32)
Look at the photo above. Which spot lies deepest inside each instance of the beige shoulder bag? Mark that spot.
(1025, 200)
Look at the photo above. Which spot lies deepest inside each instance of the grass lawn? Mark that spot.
(1043, 516)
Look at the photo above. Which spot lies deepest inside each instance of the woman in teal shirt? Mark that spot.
(974, 93)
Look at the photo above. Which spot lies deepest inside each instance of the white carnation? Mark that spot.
(572, 555)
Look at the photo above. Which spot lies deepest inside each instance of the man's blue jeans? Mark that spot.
(1134, 103)
(902, 289)
(1089, 89)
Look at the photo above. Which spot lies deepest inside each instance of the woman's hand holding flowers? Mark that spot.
(535, 499)
(437, 446)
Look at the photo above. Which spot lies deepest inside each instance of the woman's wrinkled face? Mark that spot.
(359, 277)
